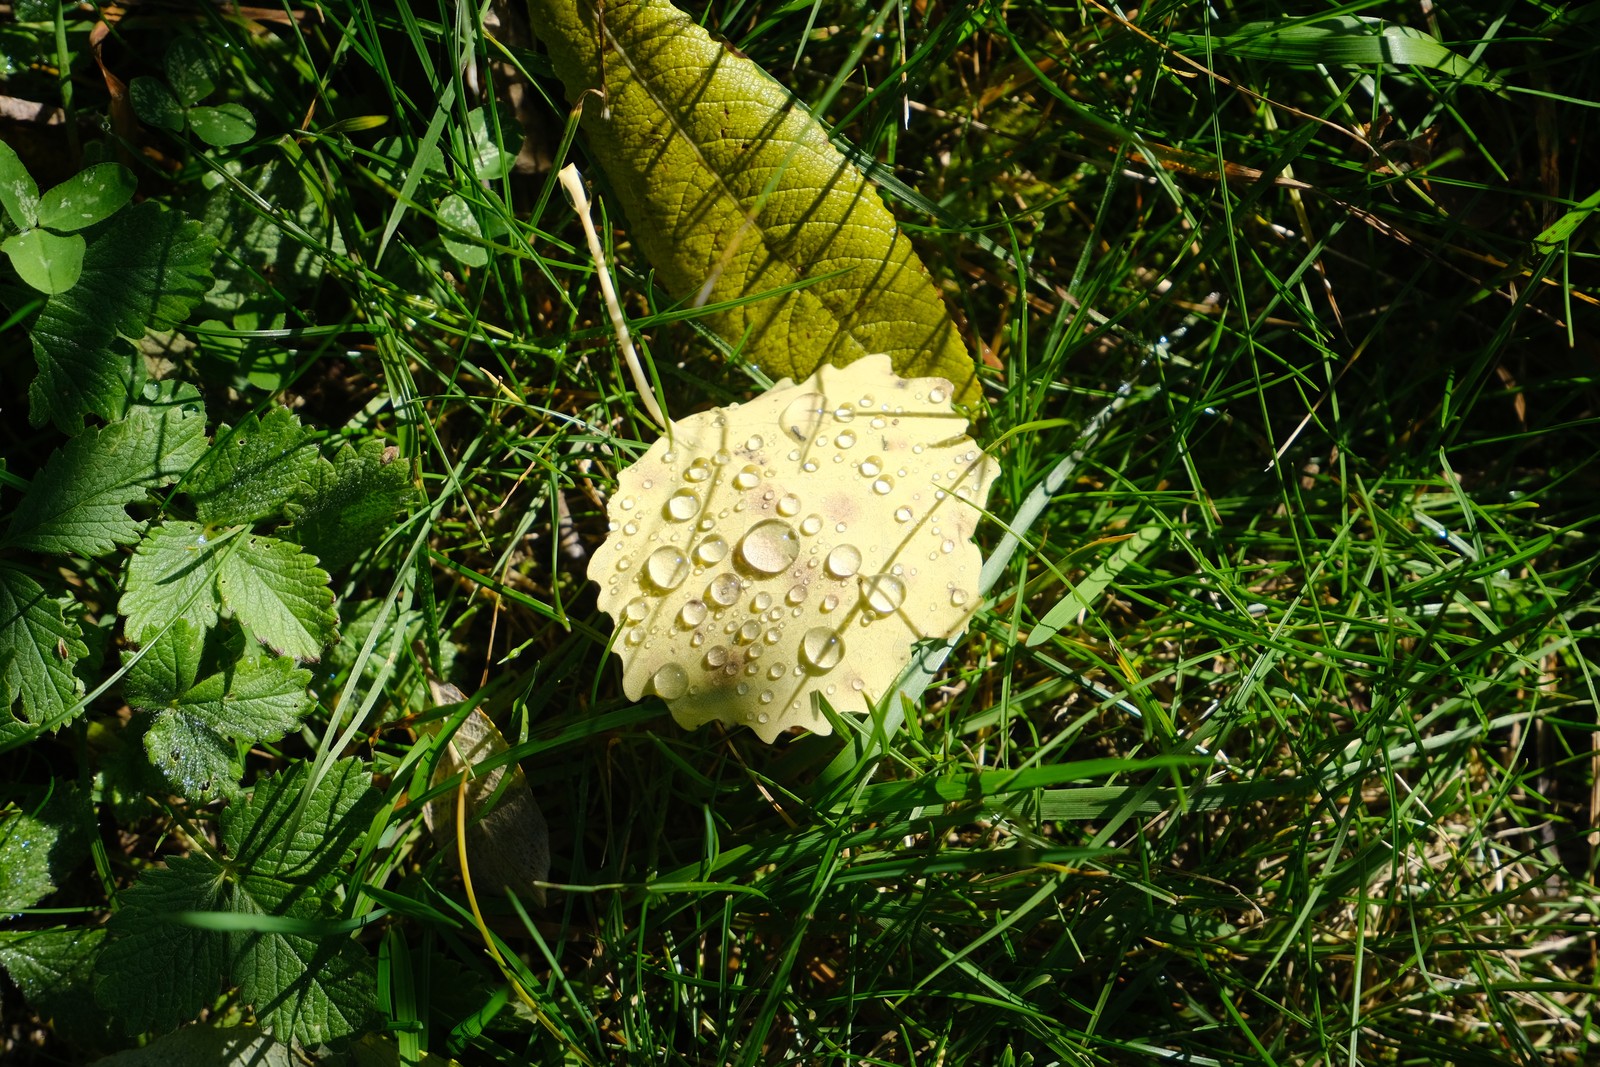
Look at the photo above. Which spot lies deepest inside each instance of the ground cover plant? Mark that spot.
(1272, 739)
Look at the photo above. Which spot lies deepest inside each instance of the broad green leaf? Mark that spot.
(90, 196)
(18, 193)
(351, 504)
(1336, 39)
(40, 842)
(208, 1046)
(253, 469)
(54, 968)
(493, 140)
(144, 270)
(50, 262)
(273, 833)
(460, 232)
(181, 570)
(191, 68)
(154, 972)
(198, 724)
(733, 189)
(195, 926)
(78, 503)
(39, 647)
(223, 125)
(173, 576)
(281, 594)
(155, 105)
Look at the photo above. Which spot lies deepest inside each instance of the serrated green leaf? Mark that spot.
(208, 1046)
(460, 233)
(180, 571)
(223, 125)
(172, 576)
(352, 503)
(191, 923)
(40, 842)
(51, 263)
(281, 594)
(191, 67)
(153, 972)
(198, 724)
(265, 833)
(144, 270)
(78, 503)
(39, 647)
(733, 189)
(92, 195)
(18, 193)
(53, 968)
(253, 469)
(155, 105)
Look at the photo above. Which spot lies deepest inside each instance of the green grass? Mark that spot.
(1305, 773)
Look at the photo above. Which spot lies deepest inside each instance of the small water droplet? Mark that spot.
(775, 671)
(795, 594)
(948, 546)
(822, 648)
(810, 525)
(902, 514)
(692, 615)
(882, 486)
(878, 424)
(630, 528)
(670, 681)
(769, 546)
(682, 505)
(749, 632)
(637, 609)
(844, 439)
(829, 602)
(716, 656)
(844, 561)
(712, 550)
(883, 593)
(958, 597)
(627, 503)
(723, 590)
(936, 395)
(754, 444)
(762, 602)
(872, 466)
(844, 414)
(666, 568)
(789, 506)
(766, 697)
(748, 478)
(698, 471)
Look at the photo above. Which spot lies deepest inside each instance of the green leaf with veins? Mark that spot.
(155, 105)
(309, 982)
(183, 571)
(144, 270)
(197, 727)
(352, 502)
(39, 647)
(53, 968)
(78, 503)
(49, 262)
(92, 195)
(253, 469)
(18, 193)
(40, 843)
(192, 69)
(733, 189)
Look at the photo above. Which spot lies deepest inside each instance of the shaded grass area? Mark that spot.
(1275, 743)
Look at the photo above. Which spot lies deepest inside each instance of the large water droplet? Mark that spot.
(749, 632)
(882, 486)
(637, 609)
(754, 444)
(958, 597)
(872, 466)
(884, 593)
(723, 590)
(748, 478)
(698, 471)
(716, 656)
(936, 395)
(769, 546)
(844, 439)
(762, 602)
(670, 681)
(666, 568)
(844, 561)
(789, 506)
(810, 525)
(682, 505)
(692, 615)
(803, 415)
(712, 550)
(795, 595)
(822, 648)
